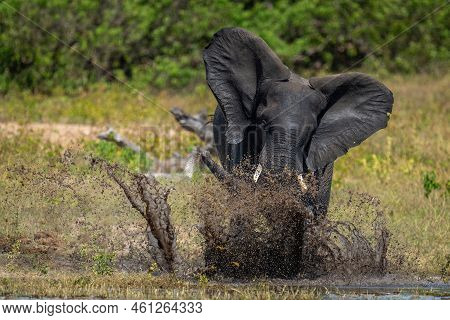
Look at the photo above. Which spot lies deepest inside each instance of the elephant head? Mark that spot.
(307, 124)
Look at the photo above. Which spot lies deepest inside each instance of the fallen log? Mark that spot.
(196, 124)
(112, 135)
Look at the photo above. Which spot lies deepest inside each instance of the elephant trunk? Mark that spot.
(281, 152)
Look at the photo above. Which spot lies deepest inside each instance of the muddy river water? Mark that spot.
(405, 292)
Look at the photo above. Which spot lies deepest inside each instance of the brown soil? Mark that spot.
(66, 135)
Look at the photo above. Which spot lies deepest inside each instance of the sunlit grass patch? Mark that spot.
(143, 286)
(103, 105)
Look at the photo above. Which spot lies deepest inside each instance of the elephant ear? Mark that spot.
(237, 64)
(356, 107)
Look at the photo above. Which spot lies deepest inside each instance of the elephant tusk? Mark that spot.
(302, 183)
(257, 173)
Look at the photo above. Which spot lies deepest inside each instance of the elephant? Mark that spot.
(274, 120)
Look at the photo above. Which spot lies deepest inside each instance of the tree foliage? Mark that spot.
(73, 43)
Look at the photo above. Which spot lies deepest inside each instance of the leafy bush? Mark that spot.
(430, 183)
(160, 42)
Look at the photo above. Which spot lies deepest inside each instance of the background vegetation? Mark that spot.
(47, 44)
(76, 236)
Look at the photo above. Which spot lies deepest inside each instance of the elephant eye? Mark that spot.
(262, 122)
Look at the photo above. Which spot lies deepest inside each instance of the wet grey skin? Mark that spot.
(270, 120)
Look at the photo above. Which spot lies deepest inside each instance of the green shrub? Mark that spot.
(103, 263)
(111, 152)
(430, 183)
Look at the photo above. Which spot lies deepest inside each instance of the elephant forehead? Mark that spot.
(289, 99)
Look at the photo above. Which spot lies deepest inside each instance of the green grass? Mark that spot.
(103, 105)
(125, 156)
(59, 224)
(144, 286)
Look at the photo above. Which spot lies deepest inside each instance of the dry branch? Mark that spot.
(198, 124)
(215, 168)
(149, 198)
(195, 124)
